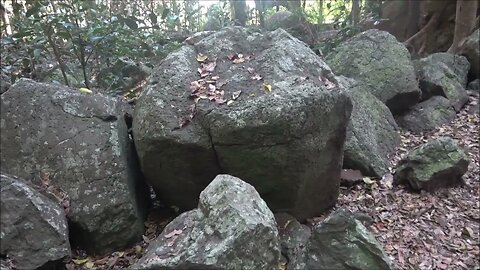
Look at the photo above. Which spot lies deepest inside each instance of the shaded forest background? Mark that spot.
(79, 43)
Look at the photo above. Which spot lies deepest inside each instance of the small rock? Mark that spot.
(343, 242)
(293, 240)
(474, 85)
(232, 228)
(34, 229)
(436, 164)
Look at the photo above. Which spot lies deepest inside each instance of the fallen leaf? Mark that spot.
(215, 78)
(201, 57)
(367, 180)
(80, 261)
(267, 87)
(210, 66)
(238, 60)
(236, 94)
(251, 70)
(173, 233)
(85, 90)
(90, 265)
(230, 102)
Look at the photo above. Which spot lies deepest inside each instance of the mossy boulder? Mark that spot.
(343, 242)
(471, 50)
(284, 133)
(436, 164)
(444, 74)
(427, 115)
(377, 60)
(372, 133)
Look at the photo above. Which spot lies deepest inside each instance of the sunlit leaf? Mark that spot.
(80, 261)
(85, 90)
(173, 233)
(201, 57)
(267, 87)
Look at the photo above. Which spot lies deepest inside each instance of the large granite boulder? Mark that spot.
(34, 231)
(377, 60)
(281, 130)
(372, 133)
(341, 241)
(471, 50)
(80, 143)
(474, 85)
(232, 228)
(444, 74)
(427, 115)
(436, 164)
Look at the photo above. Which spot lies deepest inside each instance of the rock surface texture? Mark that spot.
(444, 74)
(34, 231)
(377, 60)
(427, 115)
(436, 164)
(372, 133)
(341, 241)
(232, 228)
(268, 111)
(471, 50)
(79, 142)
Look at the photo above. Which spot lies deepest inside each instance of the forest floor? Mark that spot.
(437, 230)
(418, 230)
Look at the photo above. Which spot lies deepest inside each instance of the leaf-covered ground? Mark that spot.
(437, 230)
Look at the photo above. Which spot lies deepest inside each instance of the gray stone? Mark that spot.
(287, 142)
(436, 164)
(377, 60)
(372, 134)
(444, 74)
(34, 231)
(80, 142)
(427, 115)
(474, 85)
(293, 240)
(232, 228)
(471, 50)
(343, 242)
(4, 83)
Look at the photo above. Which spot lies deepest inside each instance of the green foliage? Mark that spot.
(218, 16)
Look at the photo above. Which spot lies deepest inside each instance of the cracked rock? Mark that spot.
(79, 143)
(286, 140)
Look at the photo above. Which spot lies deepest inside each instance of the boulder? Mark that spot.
(474, 85)
(232, 228)
(377, 60)
(372, 134)
(471, 50)
(444, 74)
(282, 128)
(438, 163)
(343, 242)
(427, 115)
(80, 143)
(34, 231)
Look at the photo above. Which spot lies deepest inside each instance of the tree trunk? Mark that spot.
(239, 12)
(355, 12)
(413, 17)
(465, 20)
